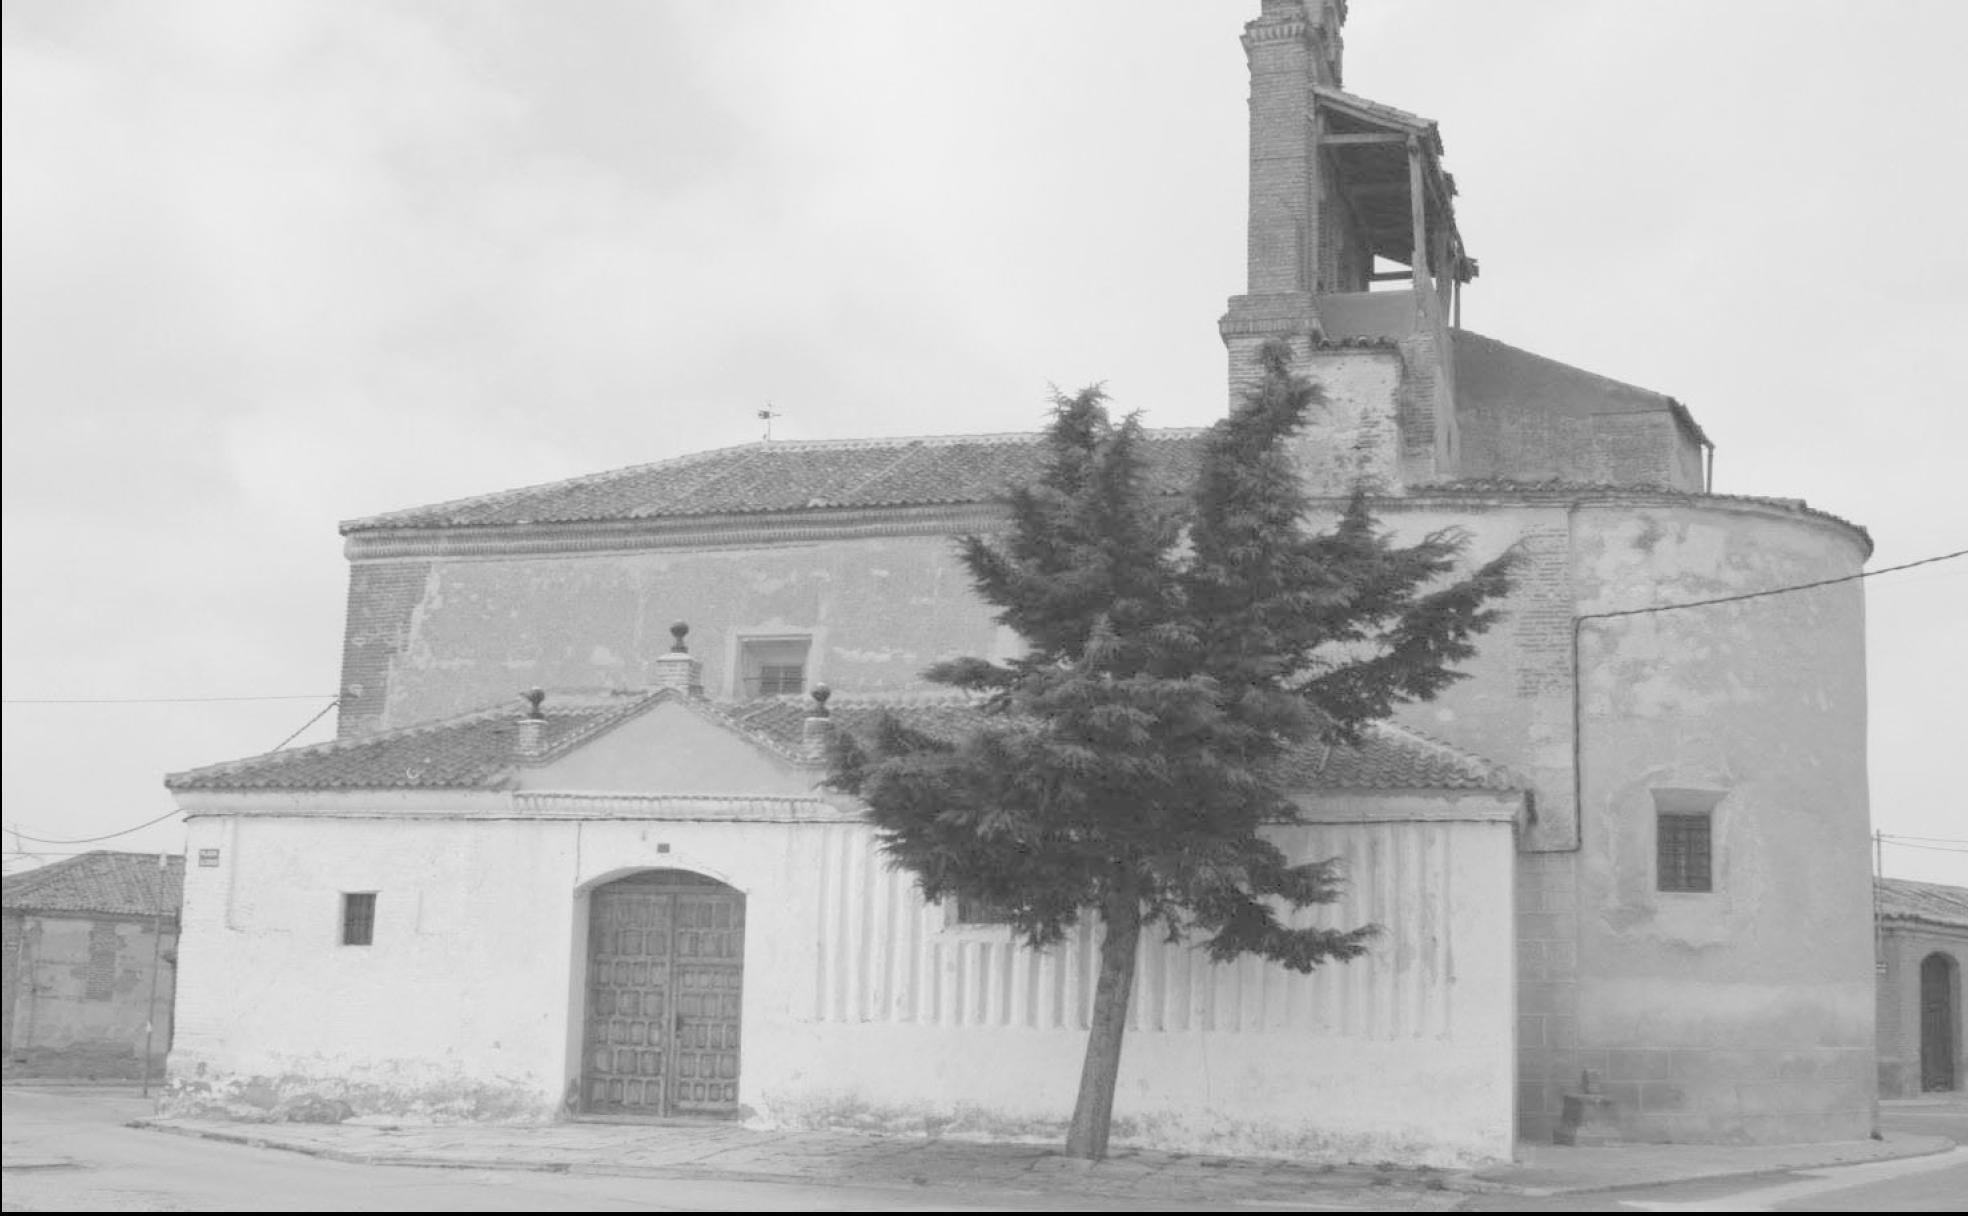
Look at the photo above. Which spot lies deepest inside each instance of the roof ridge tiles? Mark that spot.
(596, 717)
(684, 460)
(330, 746)
(727, 465)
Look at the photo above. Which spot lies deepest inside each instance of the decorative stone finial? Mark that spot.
(818, 727)
(676, 669)
(530, 737)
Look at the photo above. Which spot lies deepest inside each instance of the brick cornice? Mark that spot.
(952, 519)
(685, 532)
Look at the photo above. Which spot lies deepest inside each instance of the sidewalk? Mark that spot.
(1551, 1169)
(717, 1150)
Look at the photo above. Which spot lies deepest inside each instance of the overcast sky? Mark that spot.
(272, 264)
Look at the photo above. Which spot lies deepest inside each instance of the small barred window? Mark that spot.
(359, 918)
(773, 667)
(776, 679)
(1685, 854)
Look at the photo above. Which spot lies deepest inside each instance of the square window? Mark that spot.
(359, 918)
(1683, 845)
(970, 910)
(772, 667)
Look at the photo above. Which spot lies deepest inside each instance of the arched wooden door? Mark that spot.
(1940, 990)
(666, 955)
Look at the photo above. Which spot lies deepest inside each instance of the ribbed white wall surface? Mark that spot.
(883, 955)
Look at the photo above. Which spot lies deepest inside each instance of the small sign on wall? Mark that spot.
(208, 857)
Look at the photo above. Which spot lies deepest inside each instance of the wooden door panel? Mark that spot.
(664, 1000)
(709, 971)
(628, 1002)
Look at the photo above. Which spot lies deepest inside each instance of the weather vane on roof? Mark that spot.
(766, 416)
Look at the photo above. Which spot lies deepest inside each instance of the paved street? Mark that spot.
(69, 1149)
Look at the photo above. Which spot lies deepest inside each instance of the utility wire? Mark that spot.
(1928, 839)
(93, 839)
(1756, 595)
(310, 722)
(20, 835)
(154, 700)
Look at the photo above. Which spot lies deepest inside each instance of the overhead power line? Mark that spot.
(310, 722)
(156, 700)
(20, 835)
(1757, 595)
(1930, 848)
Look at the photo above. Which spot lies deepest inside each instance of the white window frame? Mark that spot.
(739, 639)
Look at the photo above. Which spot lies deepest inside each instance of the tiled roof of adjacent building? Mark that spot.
(471, 751)
(101, 883)
(477, 750)
(1389, 757)
(1927, 902)
(779, 476)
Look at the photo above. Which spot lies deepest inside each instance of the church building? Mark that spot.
(1622, 870)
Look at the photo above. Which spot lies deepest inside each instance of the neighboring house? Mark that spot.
(90, 947)
(1633, 844)
(1923, 942)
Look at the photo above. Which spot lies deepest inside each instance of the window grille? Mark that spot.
(1685, 855)
(773, 667)
(359, 918)
(974, 911)
(775, 679)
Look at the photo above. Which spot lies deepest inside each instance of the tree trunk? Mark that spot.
(1094, 1111)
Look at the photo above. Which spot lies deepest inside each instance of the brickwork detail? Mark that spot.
(382, 603)
(1547, 990)
(103, 948)
(1541, 612)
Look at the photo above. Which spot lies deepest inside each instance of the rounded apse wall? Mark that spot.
(1725, 970)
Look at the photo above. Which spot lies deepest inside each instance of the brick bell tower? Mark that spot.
(1353, 258)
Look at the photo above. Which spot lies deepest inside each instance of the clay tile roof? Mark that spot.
(780, 722)
(470, 751)
(1927, 902)
(1388, 758)
(782, 476)
(103, 882)
(1391, 757)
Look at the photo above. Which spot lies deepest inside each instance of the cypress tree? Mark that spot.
(1176, 650)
